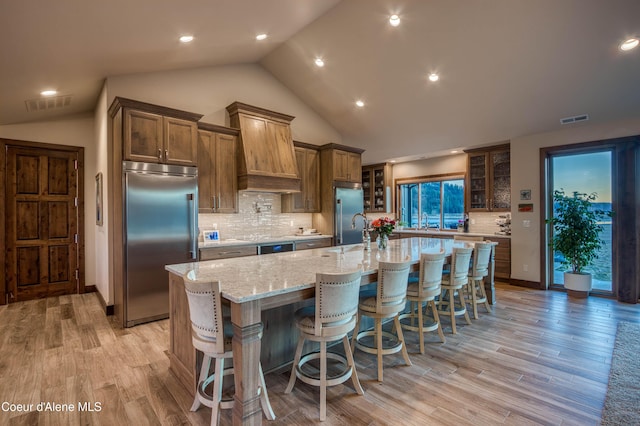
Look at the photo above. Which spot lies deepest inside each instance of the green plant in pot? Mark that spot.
(576, 236)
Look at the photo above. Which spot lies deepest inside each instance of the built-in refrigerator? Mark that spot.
(348, 199)
(160, 228)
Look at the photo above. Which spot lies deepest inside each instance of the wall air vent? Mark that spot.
(43, 104)
(574, 119)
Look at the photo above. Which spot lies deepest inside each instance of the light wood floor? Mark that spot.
(539, 358)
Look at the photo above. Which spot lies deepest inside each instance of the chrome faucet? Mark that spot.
(366, 238)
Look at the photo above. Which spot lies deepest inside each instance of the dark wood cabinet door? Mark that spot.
(206, 162)
(226, 173)
(180, 142)
(143, 137)
(312, 177)
(42, 223)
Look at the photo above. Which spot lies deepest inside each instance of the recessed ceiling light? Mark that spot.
(49, 92)
(261, 37)
(186, 39)
(629, 44)
(455, 151)
(394, 20)
(359, 103)
(434, 77)
(319, 62)
(392, 161)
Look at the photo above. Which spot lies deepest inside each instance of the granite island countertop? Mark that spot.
(451, 233)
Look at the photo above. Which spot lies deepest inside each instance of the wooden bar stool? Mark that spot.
(331, 319)
(212, 335)
(479, 270)
(452, 284)
(388, 301)
(425, 290)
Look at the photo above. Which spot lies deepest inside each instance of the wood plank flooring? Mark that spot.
(539, 358)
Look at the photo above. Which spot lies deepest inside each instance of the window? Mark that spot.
(432, 202)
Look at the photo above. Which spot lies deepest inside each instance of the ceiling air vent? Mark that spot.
(574, 119)
(43, 104)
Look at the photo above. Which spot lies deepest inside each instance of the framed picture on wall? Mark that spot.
(99, 212)
(525, 194)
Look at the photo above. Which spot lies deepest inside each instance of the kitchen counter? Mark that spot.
(451, 233)
(261, 240)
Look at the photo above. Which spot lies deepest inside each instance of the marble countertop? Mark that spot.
(250, 278)
(261, 240)
(450, 233)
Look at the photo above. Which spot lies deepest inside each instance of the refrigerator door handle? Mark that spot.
(193, 232)
(339, 202)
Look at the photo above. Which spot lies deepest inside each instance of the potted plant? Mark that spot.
(576, 236)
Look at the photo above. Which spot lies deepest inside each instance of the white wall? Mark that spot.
(73, 132)
(101, 242)
(431, 166)
(209, 90)
(525, 174)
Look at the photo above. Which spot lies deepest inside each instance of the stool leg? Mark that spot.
(378, 325)
(204, 373)
(436, 318)
(323, 380)
(452, 310)
(296, 360)
(420, 328)
(484, 296)
(351, 363)
(264, 397)
(356, 330)
(464, 306)
(217, 391)
(405, 354)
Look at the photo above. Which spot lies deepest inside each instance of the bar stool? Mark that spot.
(479, 270)
(388, 301)
(212, 335)
(425, 290)
(332, 317)
(452, 284)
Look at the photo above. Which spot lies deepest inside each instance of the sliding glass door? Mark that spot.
(585, 172)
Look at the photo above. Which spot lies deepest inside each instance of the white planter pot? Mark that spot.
(577, 283)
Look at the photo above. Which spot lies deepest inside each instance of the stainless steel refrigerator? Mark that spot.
(349, 200)
(160, 228)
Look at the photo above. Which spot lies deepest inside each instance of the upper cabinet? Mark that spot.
(489, 179)
(308, 199)
(156, 134)
(267, 160)
(376, 184)
(217, 172)
(343, 163)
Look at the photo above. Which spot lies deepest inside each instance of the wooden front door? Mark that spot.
(41, 223)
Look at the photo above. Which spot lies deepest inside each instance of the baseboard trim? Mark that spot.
(524, 283)
(108, 309)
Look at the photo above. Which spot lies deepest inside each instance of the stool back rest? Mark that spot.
(337, 297)
(430, 274)
(205, 309)
(460, 262)
(481, 257)
(393, 278)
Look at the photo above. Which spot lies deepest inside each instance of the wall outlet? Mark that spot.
(525, 268)
(526, 223)
(473, 221)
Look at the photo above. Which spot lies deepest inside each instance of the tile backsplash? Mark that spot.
(484, 223)
(259, 215)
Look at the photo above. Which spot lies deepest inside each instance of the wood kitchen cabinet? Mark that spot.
(488, 186)
(377, 187)
(217, 172)
(342, 163)
(155, 134)
(308, 199)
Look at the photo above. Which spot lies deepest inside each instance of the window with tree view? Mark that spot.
(432, 203)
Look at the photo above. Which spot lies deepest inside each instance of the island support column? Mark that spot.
(247, 331)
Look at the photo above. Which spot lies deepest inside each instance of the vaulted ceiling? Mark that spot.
(507, 68)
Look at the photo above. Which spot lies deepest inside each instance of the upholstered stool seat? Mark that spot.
(331, 319)
(452, 285)
(212, 335)
(423, 291)
(386, 302)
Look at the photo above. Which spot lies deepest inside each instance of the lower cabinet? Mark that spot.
(213, 253)
(313, 244)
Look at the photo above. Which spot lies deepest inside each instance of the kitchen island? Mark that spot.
(263, 292)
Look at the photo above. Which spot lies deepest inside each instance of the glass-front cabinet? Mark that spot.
(376, 186)
(489, 179)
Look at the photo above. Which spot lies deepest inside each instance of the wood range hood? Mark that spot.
(266, 157)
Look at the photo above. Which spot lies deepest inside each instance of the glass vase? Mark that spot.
(383, 241)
